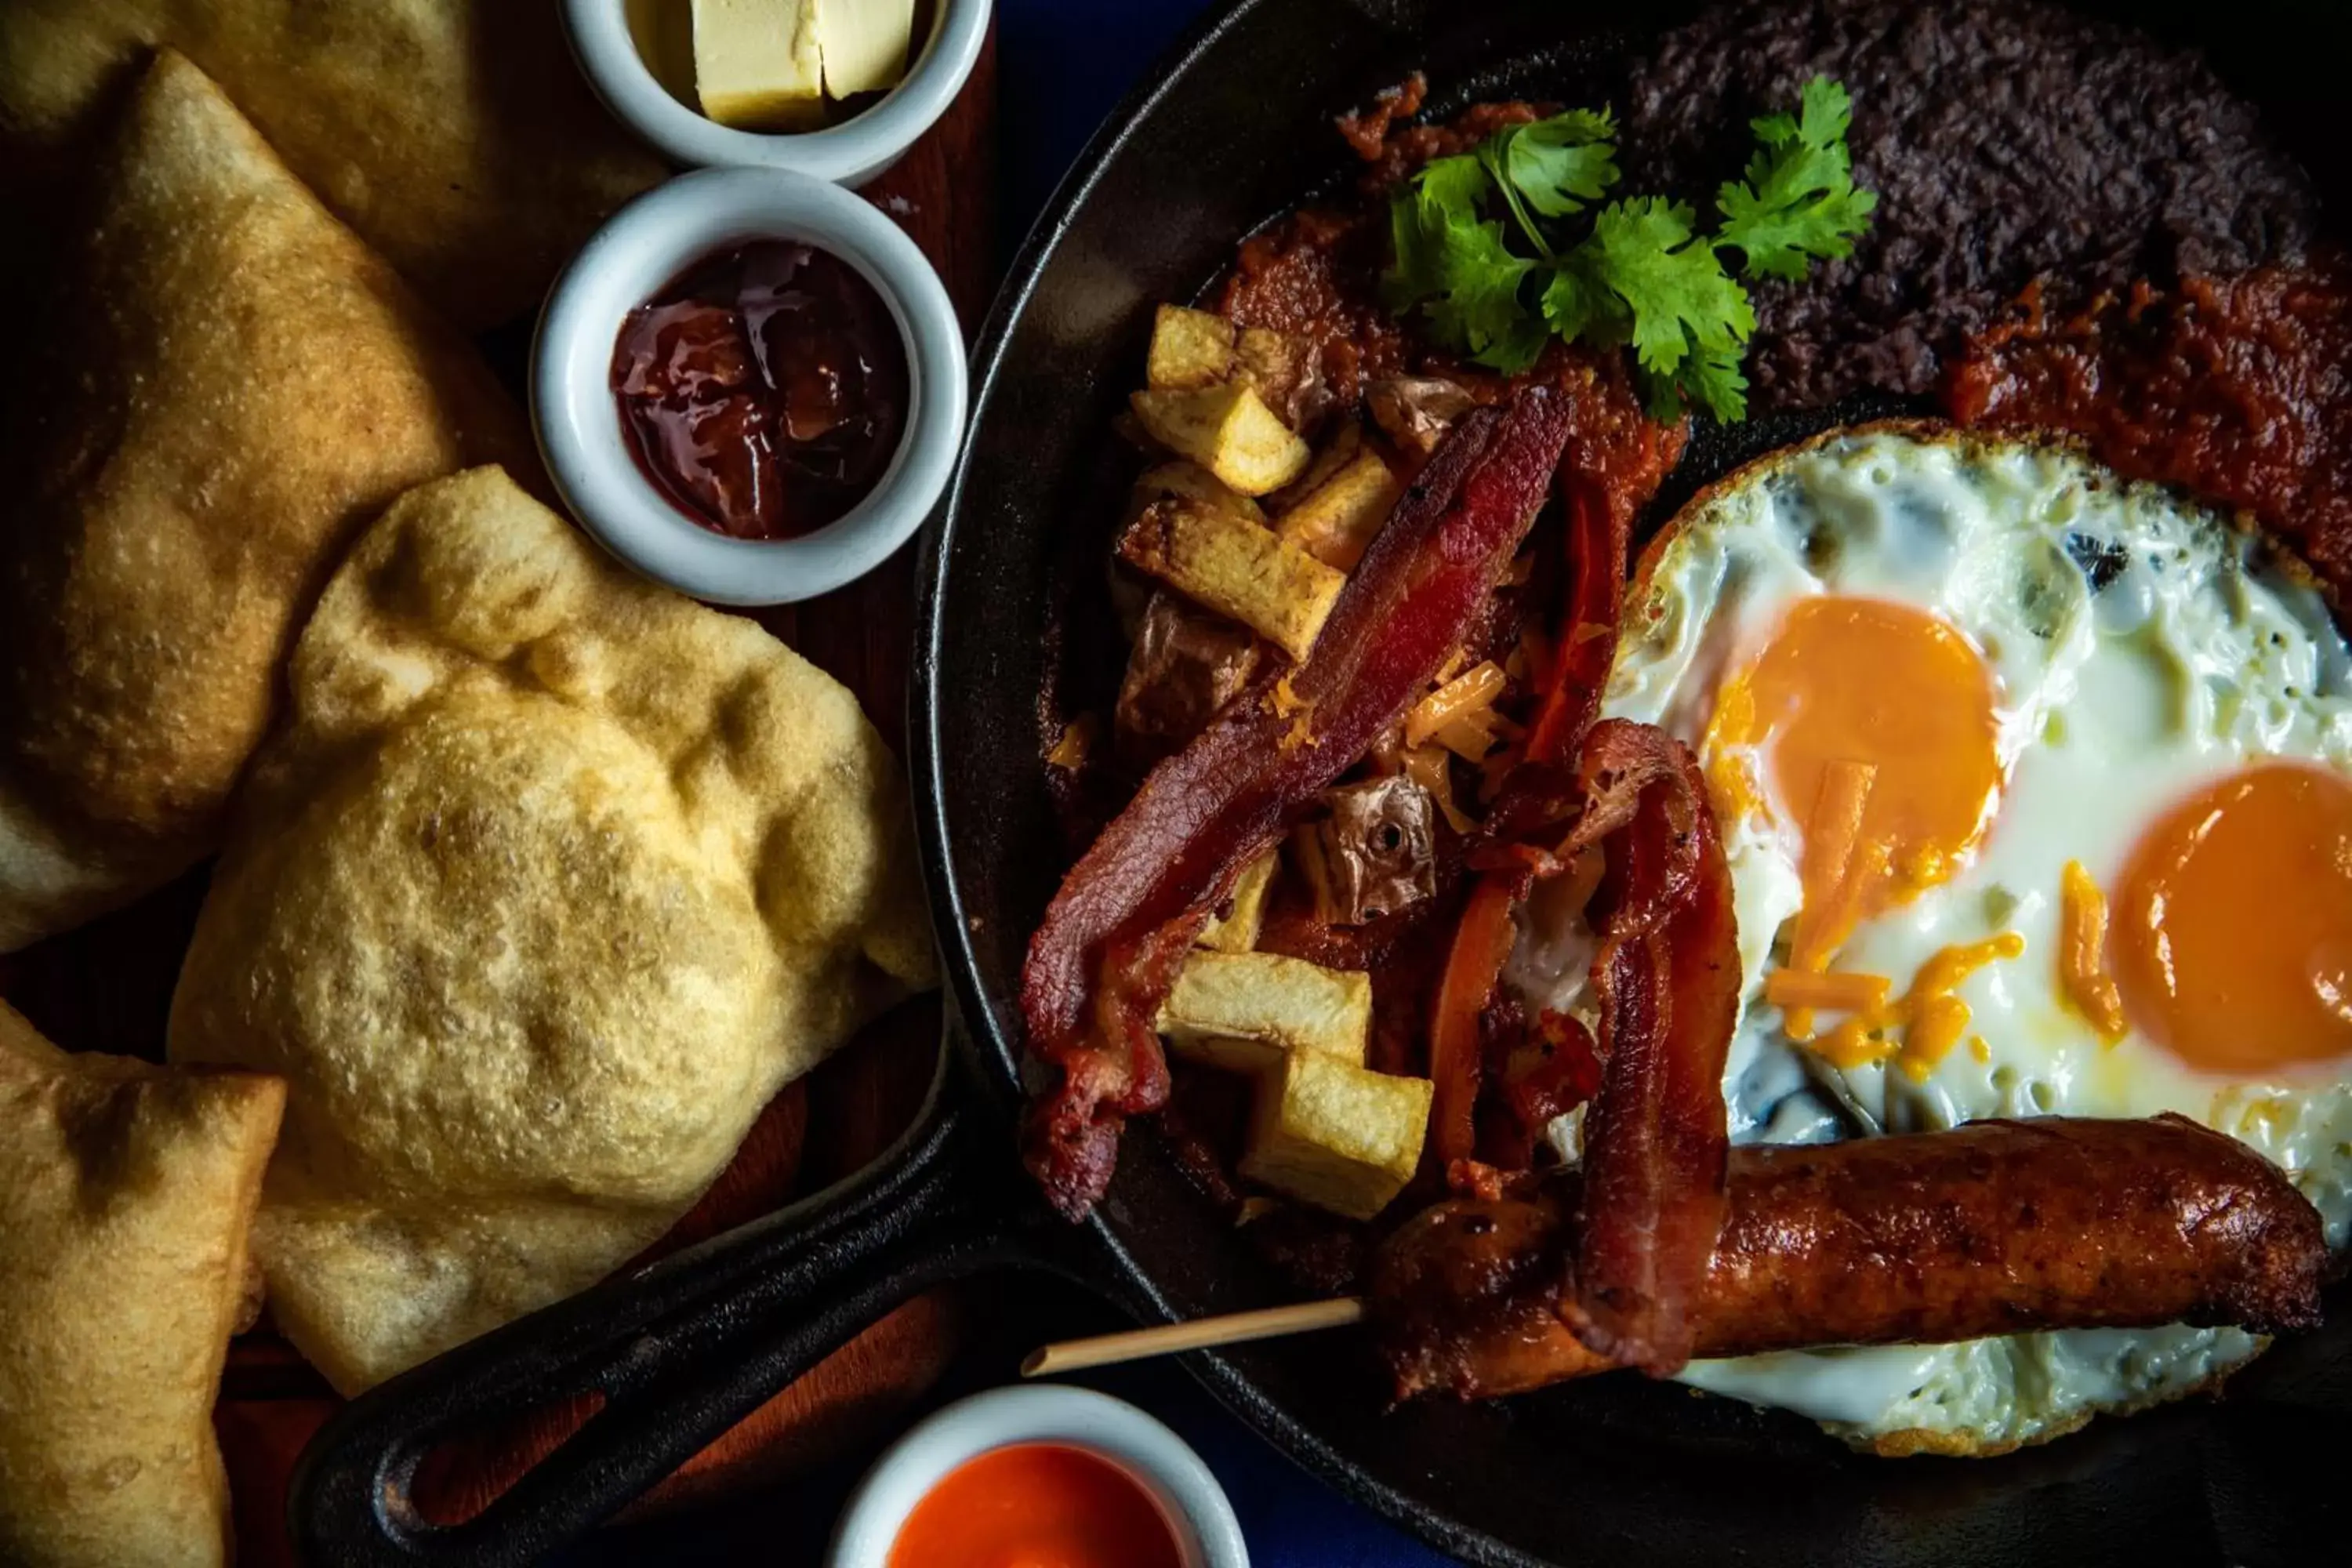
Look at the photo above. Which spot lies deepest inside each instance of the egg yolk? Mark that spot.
(2231, 941)
(1876, 721)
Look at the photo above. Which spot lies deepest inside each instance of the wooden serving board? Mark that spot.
(109, 986)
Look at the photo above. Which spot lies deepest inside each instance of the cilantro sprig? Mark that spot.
(1493, 247)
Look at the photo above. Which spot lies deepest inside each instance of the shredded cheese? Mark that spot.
(1930, 1016)
(1460, 699)
(1823, 926)
(2082, 953)
(1832, 835)
(1076, 744)
(1472, 735)
(1429, 767)
(1793, 988)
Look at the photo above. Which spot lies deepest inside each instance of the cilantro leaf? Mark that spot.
(1453, 185)
(1640, 275)
(1828, 111)
(1681, 299)
(1711, 378)
(1551, 167)
(1480, 309)
(1422, 218)
(1798, 203)
(1578, 305)
(1559, 164)
(1491, 157)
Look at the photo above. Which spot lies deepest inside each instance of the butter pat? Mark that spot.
(757, 64)
(864, 43)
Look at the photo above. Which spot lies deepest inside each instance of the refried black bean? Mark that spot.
(2007, 141)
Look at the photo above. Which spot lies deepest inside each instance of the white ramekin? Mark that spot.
(850, 154)
(1207, 1534)
(643, 248)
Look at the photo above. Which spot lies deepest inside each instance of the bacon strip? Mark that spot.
(1667, 976)
(1482, 945)
(1600, 538)
(1541, 790)
(1620, 763)
(1101, 960)
(1667, 979)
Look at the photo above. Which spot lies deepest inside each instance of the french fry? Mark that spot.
(1245, 1011)
(1331, 1134)
(1190, 349)
(1229, 565)
(1336, 522)
(1228, 430)
(1237, 931)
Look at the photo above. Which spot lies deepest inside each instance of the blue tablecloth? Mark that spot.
(1065, 65)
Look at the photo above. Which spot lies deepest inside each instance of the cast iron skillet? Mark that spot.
(1235, 128)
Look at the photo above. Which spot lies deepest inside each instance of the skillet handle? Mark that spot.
(681, 1350)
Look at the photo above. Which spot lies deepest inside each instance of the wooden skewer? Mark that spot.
(1232, 1329)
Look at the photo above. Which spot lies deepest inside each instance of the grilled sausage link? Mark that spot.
(1991, 1229)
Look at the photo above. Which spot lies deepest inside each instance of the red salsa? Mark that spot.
(2239, 390)
(764, 391)
(1036, 1505)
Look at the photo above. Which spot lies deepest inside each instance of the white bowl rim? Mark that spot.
(849, 154)
(1208, 1535)
(588, 452)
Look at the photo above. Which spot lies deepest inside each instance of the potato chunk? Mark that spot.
(1374, 855)
(1227, 564)
(1190, 349)
(1331, 1134)
(1196, 349)
(1346, 444)
(1244, 1012)
(1237, 931)
(1228, 430)
(1336, 522)
(1286, 372)
(1185, 666)
(1192, 482)
(1417, 411)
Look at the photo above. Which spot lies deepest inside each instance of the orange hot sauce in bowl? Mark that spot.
(1036, 1505)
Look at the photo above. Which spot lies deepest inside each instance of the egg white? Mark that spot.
(2195, 655)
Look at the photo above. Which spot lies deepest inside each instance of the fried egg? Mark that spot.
(2036, 790)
